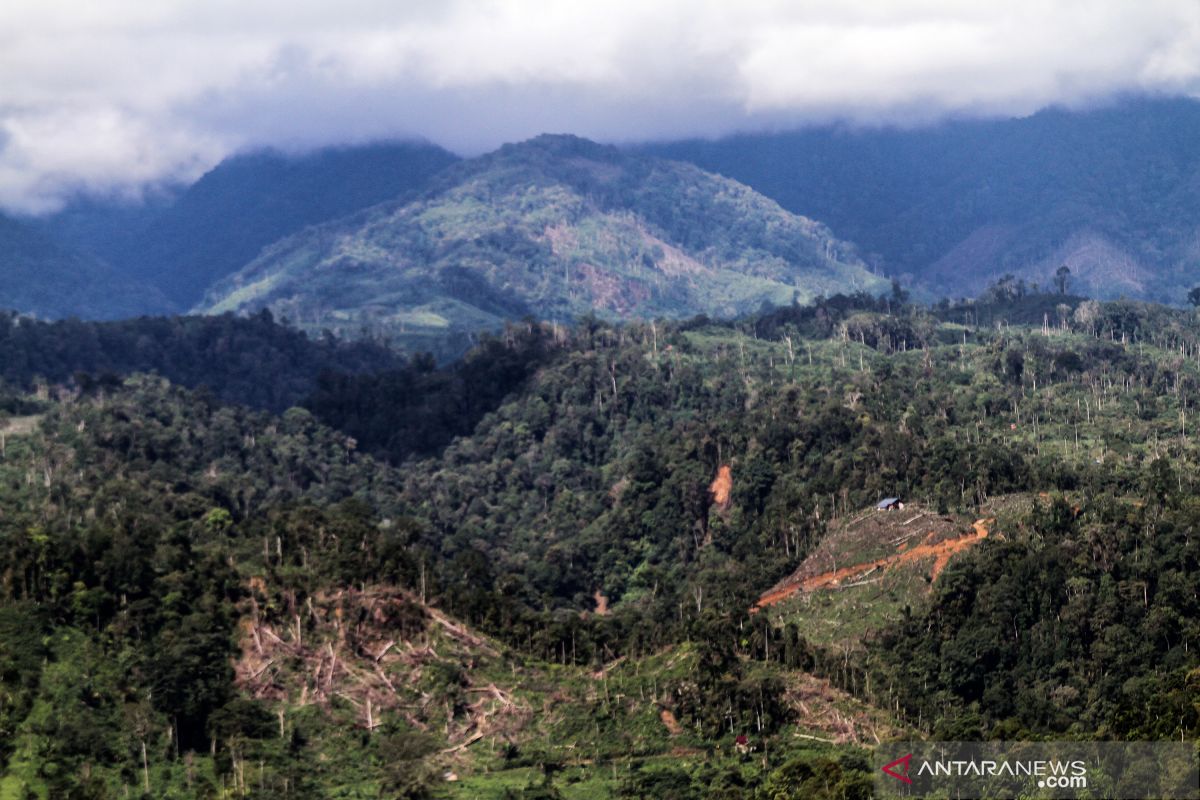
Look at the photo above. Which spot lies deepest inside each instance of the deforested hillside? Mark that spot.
(659, 553)
(554, 228)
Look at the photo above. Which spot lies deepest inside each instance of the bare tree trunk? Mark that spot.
(145, 768)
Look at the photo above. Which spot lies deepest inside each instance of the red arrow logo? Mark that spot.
(903, 764)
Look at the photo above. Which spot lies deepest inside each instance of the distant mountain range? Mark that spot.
(43, 276)
(183, 242)
(1112, 193)
(407, 236)
(554, 228)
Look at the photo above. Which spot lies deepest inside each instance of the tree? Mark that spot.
(403, 755)
(1087, 314)
(1194, 296)
(1062, 278)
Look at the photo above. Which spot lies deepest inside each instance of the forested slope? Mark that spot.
(557, 228)
(184, 241)
(52, 279)
(562, 580)
(950, 208)
(250, 361)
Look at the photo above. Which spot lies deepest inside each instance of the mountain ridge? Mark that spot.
(1112, 193)
(556, 227)
(183, 241)
(45, 278)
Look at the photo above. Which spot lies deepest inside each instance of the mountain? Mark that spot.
(46, 278)
(184, 239)
(1112, 193)
(556, 227)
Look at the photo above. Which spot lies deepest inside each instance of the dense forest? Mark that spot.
(251, 361)
(515, 575)
(213, 227)
(1110, 191)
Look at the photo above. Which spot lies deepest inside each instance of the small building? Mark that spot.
(890, 504)
(742, 744)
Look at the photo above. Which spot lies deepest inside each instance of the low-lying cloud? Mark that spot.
(111, 97)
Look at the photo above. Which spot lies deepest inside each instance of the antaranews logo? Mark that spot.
(1052, 774)
(902, 764)
(1133, 770)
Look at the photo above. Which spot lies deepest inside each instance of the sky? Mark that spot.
(110, 97)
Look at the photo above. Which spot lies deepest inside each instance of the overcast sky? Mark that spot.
(113, 95)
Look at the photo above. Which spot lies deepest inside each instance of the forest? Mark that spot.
(237, 562)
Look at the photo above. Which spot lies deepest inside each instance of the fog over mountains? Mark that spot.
(1113, 193)
(947, 210)
(513, 400)
(554, 228)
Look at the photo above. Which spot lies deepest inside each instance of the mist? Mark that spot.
(118, 97)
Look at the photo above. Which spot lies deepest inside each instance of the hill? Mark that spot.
(557, 227)
(867, 569)
(49, 279)
(1112, 193)
(562, 600)
(185, 238)
(246, 604)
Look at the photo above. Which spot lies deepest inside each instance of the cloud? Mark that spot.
(115, 96)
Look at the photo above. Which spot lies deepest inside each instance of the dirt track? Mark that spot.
(940, 552)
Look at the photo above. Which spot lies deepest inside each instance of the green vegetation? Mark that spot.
(183, 239)
(50, 278)
(248, 361)
(544, 597)
(557, 227)
(1109, 192)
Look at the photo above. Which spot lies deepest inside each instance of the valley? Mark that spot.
(599, 401)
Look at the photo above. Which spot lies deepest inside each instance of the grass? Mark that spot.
(248, 293)
(846, 617)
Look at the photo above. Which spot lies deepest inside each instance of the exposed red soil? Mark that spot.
(610, 292)
(601, 603)
(939, 551)
(722, 486)
(669, 720)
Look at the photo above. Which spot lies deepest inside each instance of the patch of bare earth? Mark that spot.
(670, 722)
(601, 601)
(722, 487)
(877, 541)
(609, 291)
